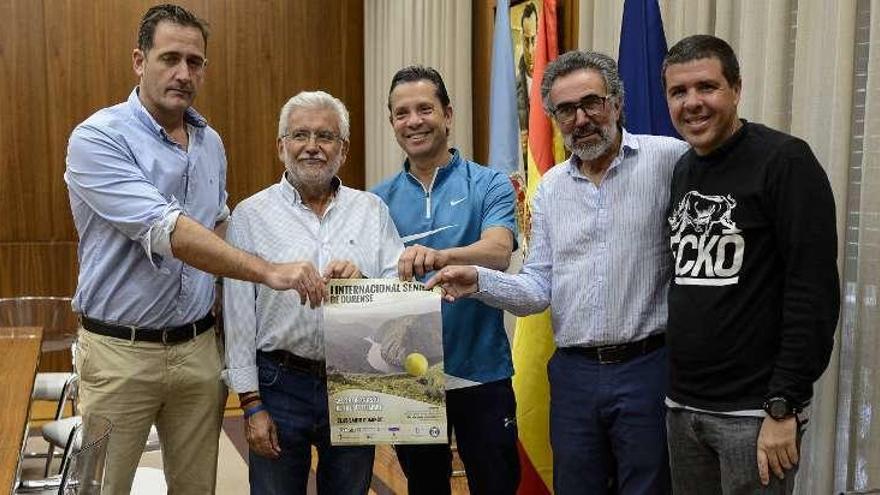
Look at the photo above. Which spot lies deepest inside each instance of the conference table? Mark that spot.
(19, 357)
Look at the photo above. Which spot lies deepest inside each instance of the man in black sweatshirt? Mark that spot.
(755, 298)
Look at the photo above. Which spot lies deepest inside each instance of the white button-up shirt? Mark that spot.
(275, 225)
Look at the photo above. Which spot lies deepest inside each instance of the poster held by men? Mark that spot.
(384, 351)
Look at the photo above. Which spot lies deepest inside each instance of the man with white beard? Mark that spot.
(598, 257)
(275, 343)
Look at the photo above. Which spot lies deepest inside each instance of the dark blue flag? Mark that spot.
(642, 48)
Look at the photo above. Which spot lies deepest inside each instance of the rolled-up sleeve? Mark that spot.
(223, 215)
(240, 320)
(223, 208)
(103, 172)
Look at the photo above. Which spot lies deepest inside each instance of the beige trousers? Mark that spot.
(177, 387)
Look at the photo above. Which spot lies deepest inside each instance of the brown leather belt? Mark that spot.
(292, 362)
(168, 335)
(620, 353)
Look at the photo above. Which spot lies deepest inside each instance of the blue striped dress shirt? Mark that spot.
(598, 255)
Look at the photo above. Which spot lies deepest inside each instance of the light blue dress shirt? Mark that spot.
(598, 255)
(128, 182)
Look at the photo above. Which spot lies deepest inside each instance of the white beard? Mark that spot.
(309, 177)
(590, 152)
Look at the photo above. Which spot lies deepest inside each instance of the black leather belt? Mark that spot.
(169, 335)
(620, 353)
(293, 362)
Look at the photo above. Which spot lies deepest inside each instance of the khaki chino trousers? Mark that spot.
(176, 386)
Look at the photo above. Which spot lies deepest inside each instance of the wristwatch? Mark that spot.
(779, 408)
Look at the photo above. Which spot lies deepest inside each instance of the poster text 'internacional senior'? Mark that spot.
(383, 341)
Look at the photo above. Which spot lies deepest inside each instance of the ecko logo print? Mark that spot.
(706, 242)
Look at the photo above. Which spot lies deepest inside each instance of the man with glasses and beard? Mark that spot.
(598, 258)
(275, 343)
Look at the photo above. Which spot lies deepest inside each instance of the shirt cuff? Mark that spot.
(156, 242)
(485, 280)
(223, 215)
(241, 380)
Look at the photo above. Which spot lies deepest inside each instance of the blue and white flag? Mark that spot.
(504, 152)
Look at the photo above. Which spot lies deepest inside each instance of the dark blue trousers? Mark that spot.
(607, 422)
(484, 421)
(297, 402)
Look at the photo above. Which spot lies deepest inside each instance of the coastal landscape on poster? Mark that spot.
(384, 348)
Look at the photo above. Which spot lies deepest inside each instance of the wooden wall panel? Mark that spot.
(62, 60)
(483, 13)
(37, 268)
(24, 189)
(266, 70)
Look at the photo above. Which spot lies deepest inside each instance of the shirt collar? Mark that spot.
(291, 195)
(629, 146)
(190, 116)
(443, 170)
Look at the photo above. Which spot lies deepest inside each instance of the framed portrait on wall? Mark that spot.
(524, 17)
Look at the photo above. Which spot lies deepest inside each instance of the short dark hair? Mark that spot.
(171, 13)
(528, 11)
(700, 46)
(413, 73)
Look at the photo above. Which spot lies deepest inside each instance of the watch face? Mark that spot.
(778, 408)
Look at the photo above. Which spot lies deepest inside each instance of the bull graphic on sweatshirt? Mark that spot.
(705, 240)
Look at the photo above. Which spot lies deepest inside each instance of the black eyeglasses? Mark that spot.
(592, 105)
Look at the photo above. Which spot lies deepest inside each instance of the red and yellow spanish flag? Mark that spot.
(533, 341)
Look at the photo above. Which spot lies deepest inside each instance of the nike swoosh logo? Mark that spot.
(457, 201)
(422, 235)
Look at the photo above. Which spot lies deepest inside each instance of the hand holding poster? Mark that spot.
(383, 343)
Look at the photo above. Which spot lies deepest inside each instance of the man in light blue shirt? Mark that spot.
(451, 211)
(147, 184)
(598, 258)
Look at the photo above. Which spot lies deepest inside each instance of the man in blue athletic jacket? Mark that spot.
(451, 211)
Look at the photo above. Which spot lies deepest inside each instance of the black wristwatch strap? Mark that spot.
(779, 407)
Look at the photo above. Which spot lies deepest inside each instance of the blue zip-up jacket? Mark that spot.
(463, 200)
